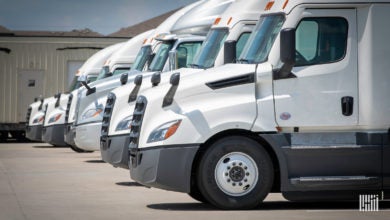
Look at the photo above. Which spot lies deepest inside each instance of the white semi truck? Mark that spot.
(119, 61)
(36, 111)
(233, 26)
(305, 113)
(90, 108)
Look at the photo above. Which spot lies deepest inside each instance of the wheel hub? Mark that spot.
(236, 174)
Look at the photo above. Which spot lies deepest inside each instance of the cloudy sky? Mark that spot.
(103, 16)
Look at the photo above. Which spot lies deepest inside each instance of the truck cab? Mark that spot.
(91, 121)
(233, 26)
(36, 112)
(195, 20)
(304, 112)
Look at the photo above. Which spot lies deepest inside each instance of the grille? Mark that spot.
(136, 123)
(68, 107)
(28, 115)
(107, 114)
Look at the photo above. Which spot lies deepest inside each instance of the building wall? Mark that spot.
(40, 54)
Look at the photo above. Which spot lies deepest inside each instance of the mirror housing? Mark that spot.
(287, 46)
(124, 78)
(229, 54)
(287, 54)
(138, 80)
(175, 79)
(168, 98)
(156, 79)
(172, 60)
(82, 78)
(58, 97)
(134, 93)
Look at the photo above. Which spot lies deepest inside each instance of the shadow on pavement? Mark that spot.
(94, 161)
(130, 184)
(182, 206)
(42, 146)
(272, 205)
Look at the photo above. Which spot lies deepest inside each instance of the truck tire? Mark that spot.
(235, 173)
(79, 150)
(197, 195)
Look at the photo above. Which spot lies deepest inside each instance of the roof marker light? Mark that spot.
(217, 20)
(285, 4)
(230, 20)
(269, 5)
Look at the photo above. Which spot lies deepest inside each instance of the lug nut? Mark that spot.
(228, 168)
(247, 173)
(245, 168)
(245, 180)
(240, 164)
(226, 174)
(234, 184)
(228, 180)
(234, 164)
(240, 184)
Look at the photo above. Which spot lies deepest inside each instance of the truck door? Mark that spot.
(320, 97)
(324, 92)
(30, 86)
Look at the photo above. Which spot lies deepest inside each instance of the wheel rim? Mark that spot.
(236, 174)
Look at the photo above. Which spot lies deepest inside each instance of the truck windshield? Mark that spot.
(74, 84)
(104, 72)
(161, 56)
(261, 40)
(142, 57)
(207, 54)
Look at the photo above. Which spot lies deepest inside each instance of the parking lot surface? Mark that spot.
(38, 181)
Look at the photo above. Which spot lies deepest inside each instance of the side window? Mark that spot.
(241, 43)
(120, 70)
(186, 53)
(321, 40)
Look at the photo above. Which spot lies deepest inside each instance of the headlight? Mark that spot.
(92, 113)
(164, 131)
(55, 118)
(38, 119)
(125, 124)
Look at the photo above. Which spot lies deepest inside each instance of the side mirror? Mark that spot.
(138, 80)
(156, 79)
(172, 60)
(287, 46)
(229, 48)
(175, 79)
(124, 78)
(287, 54)
(168, 99)
(82, 78)
(58, 97)
(134, 92)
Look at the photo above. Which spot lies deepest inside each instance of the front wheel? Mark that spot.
(235, 173)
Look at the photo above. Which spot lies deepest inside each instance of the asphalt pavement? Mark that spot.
(39, 181)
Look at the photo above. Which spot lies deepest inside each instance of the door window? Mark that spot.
(186, 53)
(321, 40)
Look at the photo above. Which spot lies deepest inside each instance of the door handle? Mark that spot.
(347, 105)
